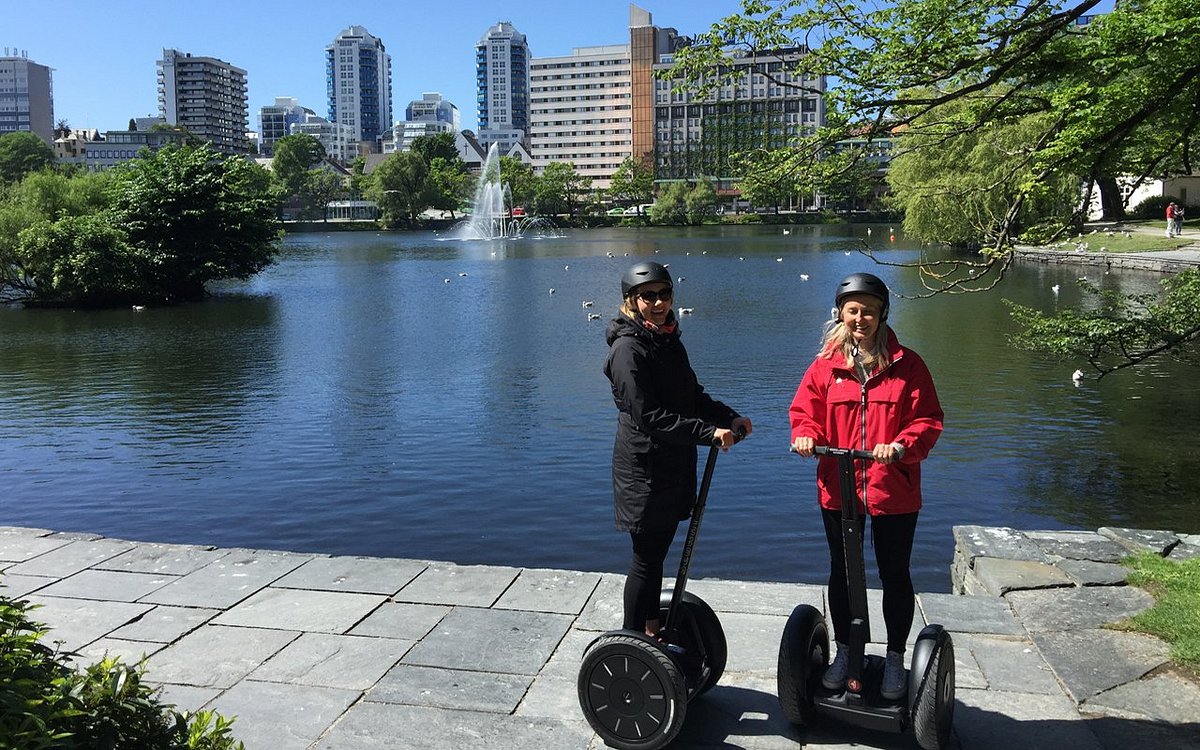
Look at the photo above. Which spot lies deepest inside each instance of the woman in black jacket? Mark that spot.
(663, 414)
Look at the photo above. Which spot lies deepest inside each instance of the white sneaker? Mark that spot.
(895, 682)
(835, 676)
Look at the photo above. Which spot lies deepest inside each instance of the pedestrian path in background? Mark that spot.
(320, 652)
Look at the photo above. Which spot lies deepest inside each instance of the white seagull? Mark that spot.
(686, 310)
(1054, 288)
(587, 303)
(1077, 376)
(804, 277)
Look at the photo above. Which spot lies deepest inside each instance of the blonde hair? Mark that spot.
(837, 339)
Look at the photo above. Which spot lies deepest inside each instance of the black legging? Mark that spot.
(643, 585)
(892, 538)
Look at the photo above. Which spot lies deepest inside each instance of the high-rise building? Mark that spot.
(26, 96)
(278, 120)
(206, 96)
(581, 111)
(429, 115)
(358, 81)
(502, 80)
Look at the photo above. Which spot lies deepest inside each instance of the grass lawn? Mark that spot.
(1136, 242)
(1175, 616)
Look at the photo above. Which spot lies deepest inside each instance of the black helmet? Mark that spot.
(863, 283)
(644, 273)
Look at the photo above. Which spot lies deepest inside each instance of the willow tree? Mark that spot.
(1091, 97)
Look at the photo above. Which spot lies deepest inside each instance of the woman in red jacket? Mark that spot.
(865, 391)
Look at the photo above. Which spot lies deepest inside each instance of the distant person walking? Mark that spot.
(1171, 209)
(1178, 219)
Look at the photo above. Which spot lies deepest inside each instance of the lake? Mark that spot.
(398, 394)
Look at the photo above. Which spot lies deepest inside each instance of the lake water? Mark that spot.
(399, 395)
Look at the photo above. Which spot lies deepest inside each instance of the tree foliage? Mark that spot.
(521, 181)
(436, 145)
(156, 230)
(1116, 331)
(560, 189)
(400, 187)
(632, 183)
(22, 153)
(294, 157)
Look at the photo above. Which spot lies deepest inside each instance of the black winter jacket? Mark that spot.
(663, 414)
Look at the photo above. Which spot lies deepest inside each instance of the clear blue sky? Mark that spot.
(103, 55)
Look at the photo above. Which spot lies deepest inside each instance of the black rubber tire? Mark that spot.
(631, 693)
(803, 657)
(933, 705)
(697, 617)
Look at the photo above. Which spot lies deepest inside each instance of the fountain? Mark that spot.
(491, 214)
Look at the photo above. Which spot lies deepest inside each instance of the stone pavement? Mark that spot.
(311, 651)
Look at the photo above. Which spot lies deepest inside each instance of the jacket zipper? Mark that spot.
(863, 431)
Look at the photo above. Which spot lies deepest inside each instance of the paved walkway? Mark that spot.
(310, 651)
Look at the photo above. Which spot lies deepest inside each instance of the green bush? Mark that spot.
(1155, 207)
(46, 704)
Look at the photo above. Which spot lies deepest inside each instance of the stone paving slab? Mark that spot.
(78, 622)
(228, 580)
(129, 652)
(216, 656)
(603, 610)
(453, 689)
(1077, 608)
(488, 640)
(970, 614)
(364, 575)
(1089, 573)
(165, 624)
(996, 542)
(995, 720)
(1078, 545)
(1142, 540)
(164, 559)
(755, 597)
(1008, 664)
(16, 547)
(465, 585)
(18, 586)
(384, 726)
(410, 622)
(187, 697)
(558, 591)
(336, 661)
(281, 716)
(108, 585)
(70, 558)
(1092, 661)
(999, 576)
(1162, 697)
(298, 609)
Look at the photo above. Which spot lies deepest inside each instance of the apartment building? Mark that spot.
(278, 120)
(206, 96)
(425, 116)
(502, 82)
(26, 96)
(581, 111)
(358, 81)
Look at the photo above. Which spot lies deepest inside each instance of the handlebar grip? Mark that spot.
(738, 436)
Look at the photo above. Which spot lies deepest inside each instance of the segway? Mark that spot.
(634, 689)
(928, 708)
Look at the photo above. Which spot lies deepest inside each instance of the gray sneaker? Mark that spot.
(895, 682)
(835, 676)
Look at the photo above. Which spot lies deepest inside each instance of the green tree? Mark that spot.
(671, 206)
(700, 202)
(294, 158)
(560, 189)
(436, 145)
(22, 153)
(520, 179)
(450, 183)
(322, 187)
(1114, 96)
(194, 217)
(632, 183)
(400, 186)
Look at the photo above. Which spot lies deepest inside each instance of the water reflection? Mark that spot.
(394, 394)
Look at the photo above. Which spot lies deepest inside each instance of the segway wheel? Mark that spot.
(931, 688)
(698, 622)
(803, 657)
(631, 693)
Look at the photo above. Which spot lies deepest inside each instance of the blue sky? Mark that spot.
(103, 55)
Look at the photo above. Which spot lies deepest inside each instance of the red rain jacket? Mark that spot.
(897, 404)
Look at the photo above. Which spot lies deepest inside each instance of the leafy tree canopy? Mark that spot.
(436, 145)
(22, 153)
(400, 187)
(294, 156)
(633, 182)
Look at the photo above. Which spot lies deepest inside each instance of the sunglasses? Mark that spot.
(651, 297)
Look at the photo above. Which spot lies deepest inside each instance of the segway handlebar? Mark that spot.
(825, 450)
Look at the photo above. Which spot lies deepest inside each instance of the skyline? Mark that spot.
(104, 63)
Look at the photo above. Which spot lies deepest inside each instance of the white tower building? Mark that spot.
(358, 81)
